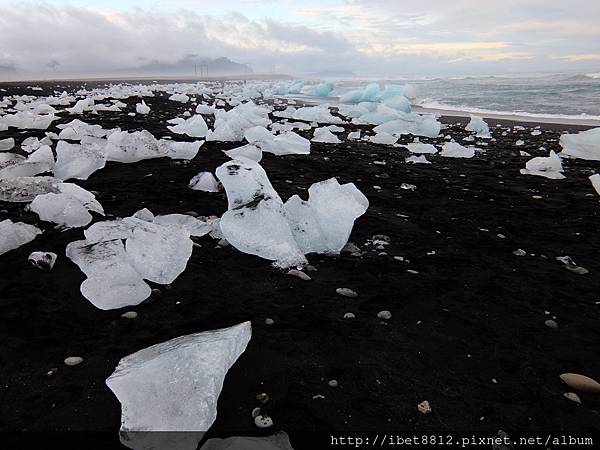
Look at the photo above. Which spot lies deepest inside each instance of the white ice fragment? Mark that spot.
(246, 151)
(383, 138)
(142, 108)
(174, 386)
(420, 159)
(181, 98)
(195, 126)
(324, 135)
(416, 124)
(78, 160)
(595, 180)
(455, 150)
(323, 223)
(277, 441)
(478, 126)
(420, 147)
(15, 234)
(7, 144)
(354, 135)
(583, 145)
(255, 222)
(548, 167)
(204, 181)
(25, 189)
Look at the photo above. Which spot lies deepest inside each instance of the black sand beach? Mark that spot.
(467, 331)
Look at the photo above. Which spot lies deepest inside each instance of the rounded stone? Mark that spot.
(73, 360)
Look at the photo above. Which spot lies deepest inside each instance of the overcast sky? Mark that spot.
(368, 37)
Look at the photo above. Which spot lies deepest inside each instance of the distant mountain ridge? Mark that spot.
(195, 65)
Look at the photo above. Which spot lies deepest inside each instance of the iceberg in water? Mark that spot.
(322, 90)
(174, 386)
(259, 223)
(15, 234)
(583, 145)
(117, 256)
(548, 167)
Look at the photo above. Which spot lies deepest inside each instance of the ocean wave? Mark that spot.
(595, 76)
(433, 104)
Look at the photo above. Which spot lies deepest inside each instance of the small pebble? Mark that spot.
(52, 371)
(333, 383)
(299, 274)
(269, 321)
(73, 360)
(346, 292)
(424, 407)
(263, 421)
(255, 412)
(263, 397)
(573, 397)
(581, 382)
(551, 324)
(519, 252)
(384, 315)
(130, 315)
(349, 315)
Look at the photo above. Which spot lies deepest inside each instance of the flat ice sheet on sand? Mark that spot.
(15, 234)
(174, 386)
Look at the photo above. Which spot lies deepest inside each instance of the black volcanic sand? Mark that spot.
(474, 312)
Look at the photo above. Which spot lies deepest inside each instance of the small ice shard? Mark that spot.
(583, 145)
(181, 98)
(421, 148)
(277, 441)
(246, 151)
(174, 386)
(142, 108)
(595, 180)
(205, 109)
(15, 234)
(77, 160)
(354, 135)
(325, 136)
(195, 126)
(129, 147)
(323, 223)
(204, 181)
(455, 150)
(179, 150)
(255, 222)
(7, 144)
(43, 260)
(319, 114)
(478, 126)
(420, 159)
(548, 167)
(383, 138)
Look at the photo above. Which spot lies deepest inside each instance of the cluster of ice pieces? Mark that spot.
(258, 222)
(174, 386)
(117, 256)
